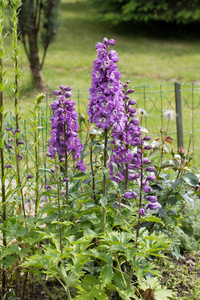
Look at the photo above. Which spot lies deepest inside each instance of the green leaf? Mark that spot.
(103, 201)
(191, 179)
(172, 200)
(187, 199)
(106, 274)
(1, 143)
(1, 86)
(175, 183)
(95, 131)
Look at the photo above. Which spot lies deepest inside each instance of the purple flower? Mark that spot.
(47, 187)
(52, 170)
(147, 138)
(18, 130)
(80, 166)
(9, 146)
(150, 169)
(10, 140)
(151, 177)
(146, 161)
(105, 108)
(64, 126)
(128, 195)
(146, 189)
(141, 212)
(66, 179)
(8, 166)
(152, 205)
(8, 128)
(20, 157)
(29, 176)
(152, 199)
(20, 142)
(111, 42)
(147, 147)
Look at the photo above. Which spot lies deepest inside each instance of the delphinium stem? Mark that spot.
(36, 150)
(93, 175)
(104, 176)
(59, 206)
(3, 189)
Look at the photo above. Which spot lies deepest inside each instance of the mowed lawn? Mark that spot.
(145, 61)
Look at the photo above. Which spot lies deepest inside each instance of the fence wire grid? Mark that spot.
(183, 98)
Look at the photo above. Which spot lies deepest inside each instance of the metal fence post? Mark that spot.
(179, 125)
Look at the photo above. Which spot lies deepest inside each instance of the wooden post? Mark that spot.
(179, 125)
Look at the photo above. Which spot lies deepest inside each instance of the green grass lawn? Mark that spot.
(145, 61)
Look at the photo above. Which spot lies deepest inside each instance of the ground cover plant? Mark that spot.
(93, 223)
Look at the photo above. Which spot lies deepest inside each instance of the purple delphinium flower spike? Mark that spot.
(64, 126)
(105, 108)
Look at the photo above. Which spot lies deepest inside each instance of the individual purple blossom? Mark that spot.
(20, 142)
(147, 147)
(47, 187)
(52, 170)
(8, 128)
(66, 179)
(152, 199)
(30, 176)
(10, 140)
(20, 157)
(9, 146)
(152, 206)
(8, 166)
(18, 130)
(150, 169)
(151, 177)
(80, 166)
(141, 211)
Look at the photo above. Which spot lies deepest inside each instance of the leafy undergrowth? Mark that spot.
(183, 277)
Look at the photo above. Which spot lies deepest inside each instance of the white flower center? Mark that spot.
(103, 119)
(105, 103)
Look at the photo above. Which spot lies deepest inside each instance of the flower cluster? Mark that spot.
(128, 154)
(64, 127)
(105, 108)
(125, 151)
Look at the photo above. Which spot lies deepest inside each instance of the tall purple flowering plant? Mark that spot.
(105, 107)
(128, 154)
(64, 132)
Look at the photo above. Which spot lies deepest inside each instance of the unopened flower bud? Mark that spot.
(8, 166)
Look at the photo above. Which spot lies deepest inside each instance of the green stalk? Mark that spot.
(93, 175)
(3, 5)
(15, 5)
(139, 222)
(36, 149)
(104, 177)
(59, 207)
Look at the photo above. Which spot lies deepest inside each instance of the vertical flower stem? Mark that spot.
(93, 176)
(3, 189)
(140, 205)
(104, 176)
(59, 207)
(14, 13)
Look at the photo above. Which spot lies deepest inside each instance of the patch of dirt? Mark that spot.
(182, 275)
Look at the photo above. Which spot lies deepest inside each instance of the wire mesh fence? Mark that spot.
(183, 98)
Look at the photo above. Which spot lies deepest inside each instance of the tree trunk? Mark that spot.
(34, 61)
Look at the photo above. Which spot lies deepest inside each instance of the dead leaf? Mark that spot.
(148, 294)
(169, 140)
